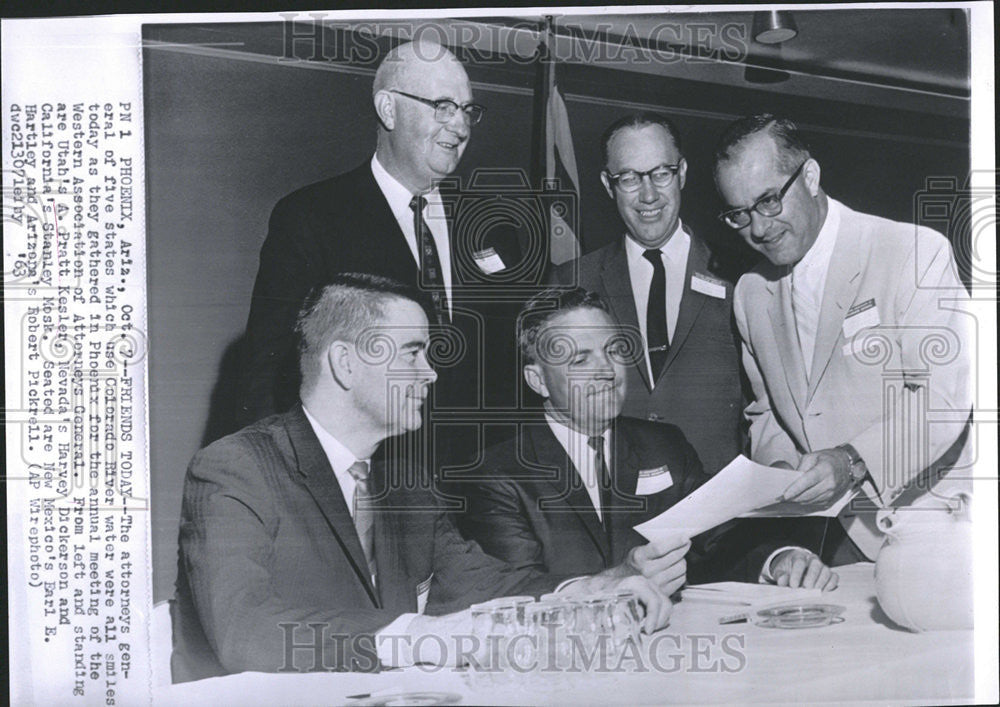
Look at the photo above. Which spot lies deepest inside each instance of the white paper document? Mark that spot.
(742, 489)
(746, 593)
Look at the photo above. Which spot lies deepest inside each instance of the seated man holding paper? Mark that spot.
(854, 338)
(296, 555)
(564, 495)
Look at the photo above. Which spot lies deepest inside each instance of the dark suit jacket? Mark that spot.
(526, 505)
(344, 224)
(699, 389)
(266, 538)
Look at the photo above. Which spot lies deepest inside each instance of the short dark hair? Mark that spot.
(545, 306)
(345, 308)
(792, 147)
(638, 120)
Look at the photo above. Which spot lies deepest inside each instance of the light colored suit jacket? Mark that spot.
(891, 369)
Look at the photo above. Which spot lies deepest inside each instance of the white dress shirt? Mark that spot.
(640, 274)
(583, 458)
(399, 198)
(341, 459)
(808, 280)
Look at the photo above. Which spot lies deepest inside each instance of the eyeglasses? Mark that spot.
(444, 109)
(767, 205)
(630, 180)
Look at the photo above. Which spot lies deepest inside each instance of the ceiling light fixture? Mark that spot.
(774, 26)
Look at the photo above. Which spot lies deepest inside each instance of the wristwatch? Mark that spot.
(857, 468)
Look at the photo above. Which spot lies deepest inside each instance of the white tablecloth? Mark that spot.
(865, 658)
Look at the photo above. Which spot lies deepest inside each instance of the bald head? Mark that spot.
(405, 63)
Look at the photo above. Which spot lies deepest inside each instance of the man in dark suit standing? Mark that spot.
(660, 280)
(389, 217)
(565, 494)
(295, 554)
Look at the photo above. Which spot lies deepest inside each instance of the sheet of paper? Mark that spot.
(738, 490)
(746, 593)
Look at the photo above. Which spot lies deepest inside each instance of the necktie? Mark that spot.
(657, 341)
(806, 323)
(604, 478)
(364, 514)
(431, 277)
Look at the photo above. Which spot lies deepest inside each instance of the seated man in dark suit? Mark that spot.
(294, 557)
(565, 494)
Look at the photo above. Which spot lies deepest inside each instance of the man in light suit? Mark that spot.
(565, 494)
(389, 217)
(853, 335)
(295, 554)
(660, 279)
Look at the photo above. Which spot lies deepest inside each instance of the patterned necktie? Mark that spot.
(604, 478)
(657, 341)
(431, 277)
(364, 514)
(806, 323)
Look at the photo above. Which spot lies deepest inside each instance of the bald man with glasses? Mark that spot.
(389, 216)
(661, 282)
(854, 339)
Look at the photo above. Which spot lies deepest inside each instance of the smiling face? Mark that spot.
(414, 147)
(393, 373)
(755, 170)
(580, 370)
(650, 213)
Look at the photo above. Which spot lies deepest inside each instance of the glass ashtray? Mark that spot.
(799, 615)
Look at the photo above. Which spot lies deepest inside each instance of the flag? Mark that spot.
(560, 159)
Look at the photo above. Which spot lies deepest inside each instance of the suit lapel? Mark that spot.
(618, 286)
(625, 475)
(691, 301)
(379, 219)
(786, 339)
(567, 488)
(842, 282)
(319, 480)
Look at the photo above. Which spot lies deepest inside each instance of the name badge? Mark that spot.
(488, 261)
(423, 590)
(707, 285)
(653, 481)
(861, 316)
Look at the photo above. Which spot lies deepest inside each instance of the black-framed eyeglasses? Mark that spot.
(444, 109)
(630, 180)
(767, 205)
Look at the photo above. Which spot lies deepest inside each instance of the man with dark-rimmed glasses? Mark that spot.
(661, 281)
(835, 327)
(389, 216)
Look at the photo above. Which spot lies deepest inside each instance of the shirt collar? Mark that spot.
(341, 458)
(396, 194)
(816, 261)
(676, 246)
(575, 443)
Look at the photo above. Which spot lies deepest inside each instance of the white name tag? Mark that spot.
(488, 261)
(708, 286)
(861, 316)
(653, 481)
(423, 590)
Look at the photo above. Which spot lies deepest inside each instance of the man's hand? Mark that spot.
(656, 604)
(826, 476)
(662, 562)
(801, 568)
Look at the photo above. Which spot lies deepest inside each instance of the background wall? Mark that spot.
(228, 133)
